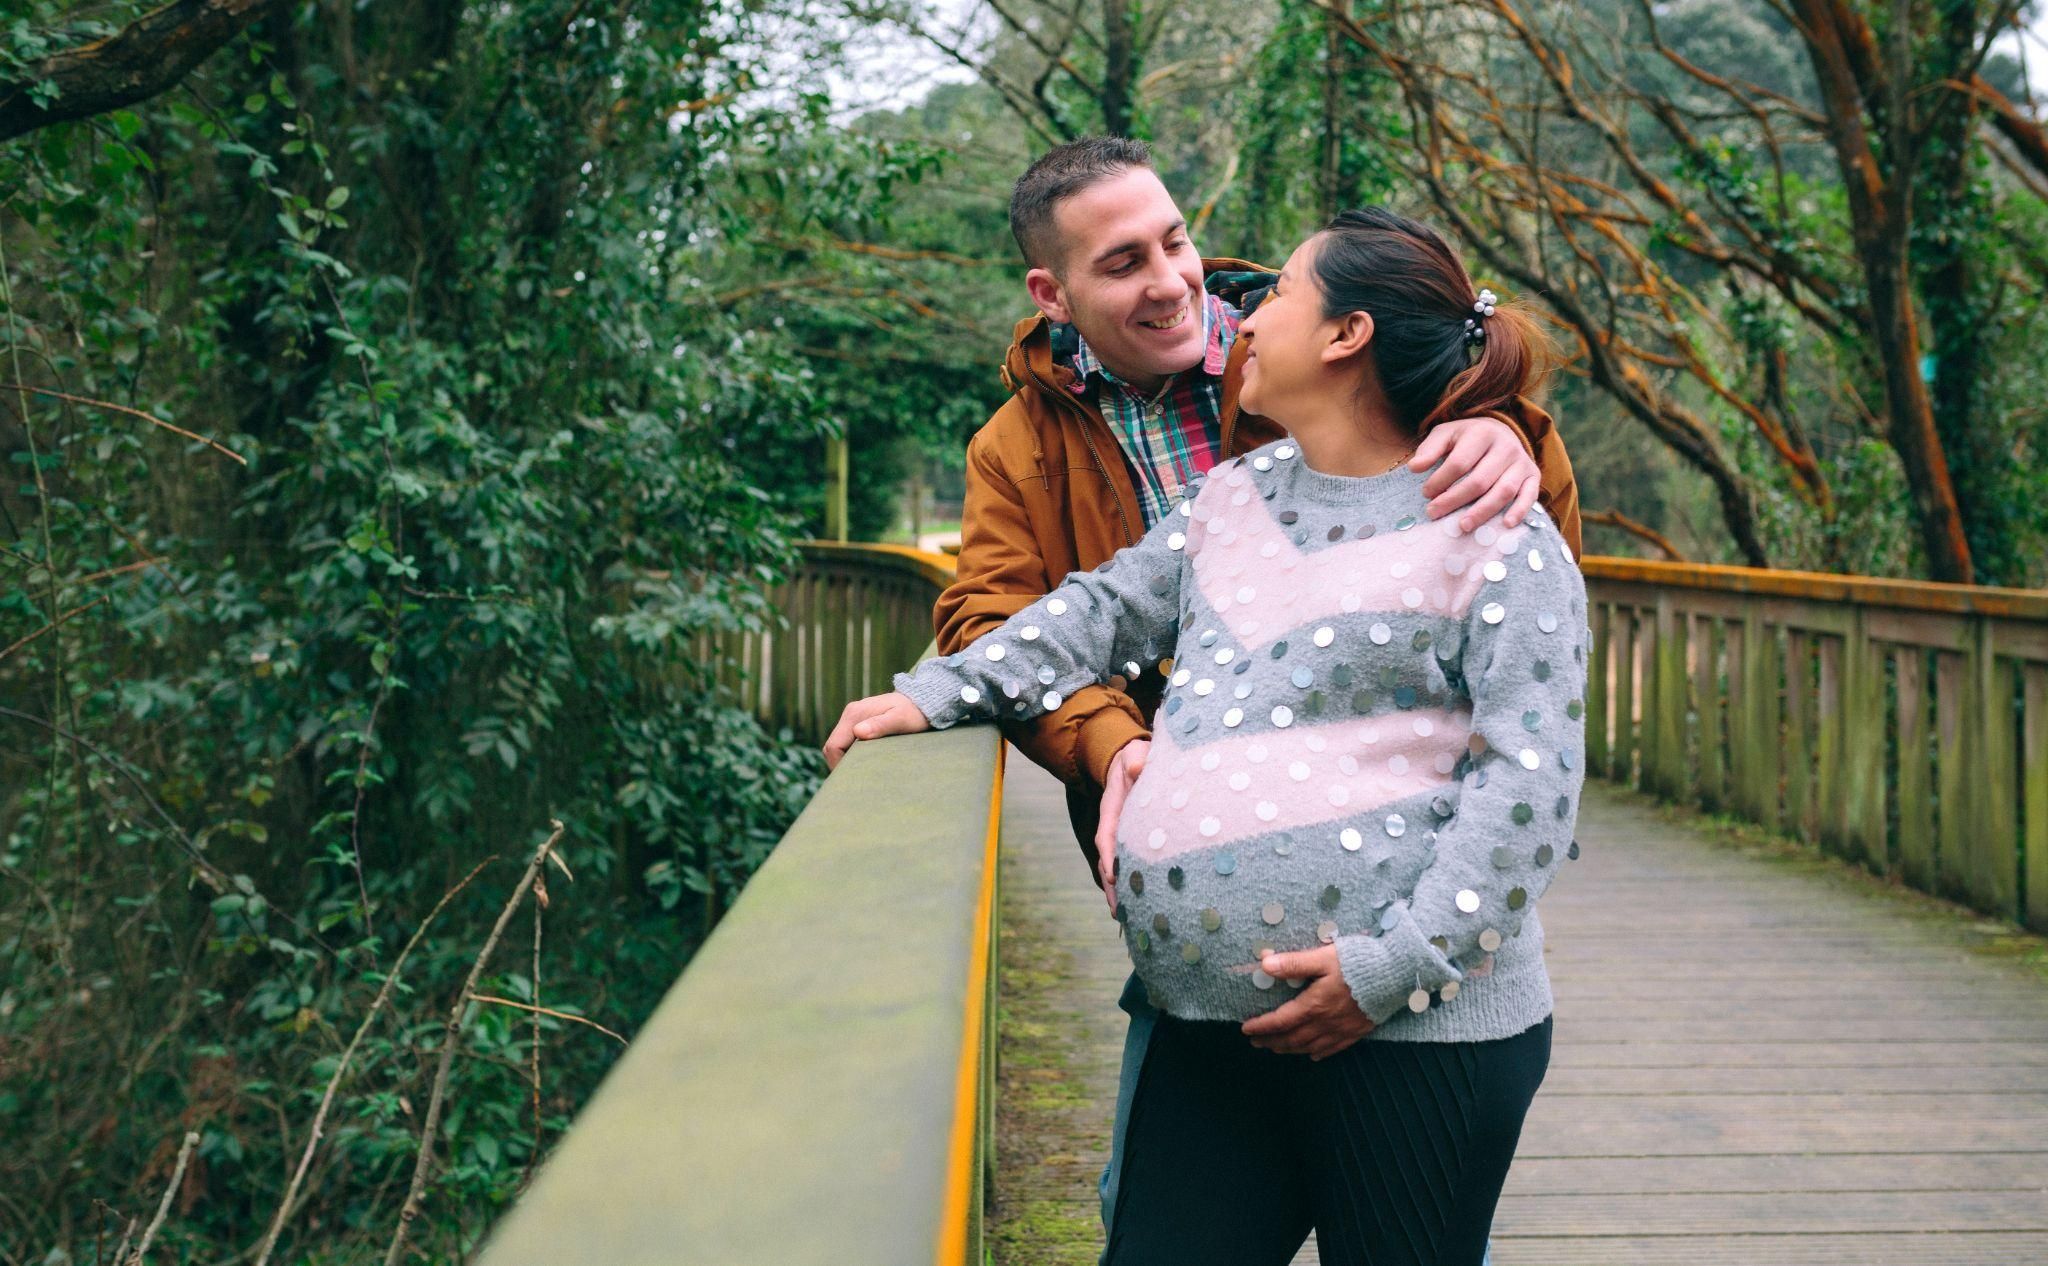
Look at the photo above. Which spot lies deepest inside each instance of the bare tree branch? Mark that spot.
(150, 54)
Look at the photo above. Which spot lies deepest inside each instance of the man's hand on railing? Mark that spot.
(873, 717)
(1124, 769)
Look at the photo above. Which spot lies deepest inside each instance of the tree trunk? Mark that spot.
(1120, 67)
(1336, 57)
(1880, 208)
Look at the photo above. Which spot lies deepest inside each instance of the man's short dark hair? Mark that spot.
(1059, 174)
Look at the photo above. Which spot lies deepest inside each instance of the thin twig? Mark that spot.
(122, 1247)
(540, 905)
(1616, 519)
(559, 1015)
(451, 1032)
(384, 991)
(163, 1209)
(20, 642)
(135, 413)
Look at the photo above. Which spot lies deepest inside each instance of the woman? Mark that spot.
(1367, 766)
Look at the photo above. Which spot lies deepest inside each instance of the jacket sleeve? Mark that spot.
(1560, 493)
(1519, 796)
(1095, 624)
(1000, 572)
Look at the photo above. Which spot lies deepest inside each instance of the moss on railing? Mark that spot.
(817, 1086)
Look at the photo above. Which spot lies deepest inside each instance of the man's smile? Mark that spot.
(1168, 322)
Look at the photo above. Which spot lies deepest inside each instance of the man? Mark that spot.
(1124, 390)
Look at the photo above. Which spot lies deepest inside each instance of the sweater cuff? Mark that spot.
(1383, 970)
(1101, 737)
(936, 694)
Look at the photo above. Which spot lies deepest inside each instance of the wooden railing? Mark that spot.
(851, 617)
(818, 1086)
(1900, 724)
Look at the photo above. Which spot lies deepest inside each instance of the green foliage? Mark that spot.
(447, 279)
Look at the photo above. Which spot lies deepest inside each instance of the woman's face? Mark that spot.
(1287, 337)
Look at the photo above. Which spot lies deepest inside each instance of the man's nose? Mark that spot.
(1162, 281)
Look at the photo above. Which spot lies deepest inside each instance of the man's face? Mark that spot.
(1129, 280)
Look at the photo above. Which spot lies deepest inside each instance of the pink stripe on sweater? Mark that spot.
(1287, 780)
(1264, 587)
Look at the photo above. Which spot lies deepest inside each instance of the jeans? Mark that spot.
(1136, 1039)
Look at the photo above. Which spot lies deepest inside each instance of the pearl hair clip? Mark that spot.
(1475, 329)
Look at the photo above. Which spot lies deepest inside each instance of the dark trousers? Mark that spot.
(1394, 1153)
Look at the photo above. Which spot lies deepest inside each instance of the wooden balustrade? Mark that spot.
(852, 616)
(1901, 724)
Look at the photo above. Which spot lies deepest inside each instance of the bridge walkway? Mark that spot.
(1763, 1056)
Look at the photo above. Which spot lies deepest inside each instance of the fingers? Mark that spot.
(897, 715)
(841, 737)
(1506, 486)
(1134, 754)
(1113, 797)
(1105, 866)
(1299, 964)
(1280, 1020)
(1467, 450)
(872, 717)
(1469, 490)
(1532, 488)
(1434, 445)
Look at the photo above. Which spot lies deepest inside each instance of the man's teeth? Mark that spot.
(1169, 322)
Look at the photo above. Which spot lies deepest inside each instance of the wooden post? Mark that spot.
(1998, 828)
(1760, 720)
(1916, 771)
(1624, 743)
(1670, 695)
(1799, 735)
(2034, 779)
(835, 488)
(1829, 705)
(1952, 776)
(1711, 766)
(1861, 828)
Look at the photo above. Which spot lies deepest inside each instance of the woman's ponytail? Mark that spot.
(1509, 365)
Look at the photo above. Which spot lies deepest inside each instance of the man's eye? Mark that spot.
(1121, 269)
(1176, 245)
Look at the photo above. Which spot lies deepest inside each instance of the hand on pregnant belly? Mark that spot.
(1318, 1022)
(1123, 775)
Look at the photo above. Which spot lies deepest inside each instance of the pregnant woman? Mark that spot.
(1367, 768)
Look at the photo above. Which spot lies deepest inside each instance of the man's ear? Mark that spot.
(1045, 291)
(1349, 338)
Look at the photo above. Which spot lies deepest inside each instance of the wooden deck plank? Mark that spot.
(1983, 1248)
(1760, 1058)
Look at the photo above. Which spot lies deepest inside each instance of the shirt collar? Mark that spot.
(1219, 331)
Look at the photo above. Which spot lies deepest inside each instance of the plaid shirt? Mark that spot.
(1170, 438)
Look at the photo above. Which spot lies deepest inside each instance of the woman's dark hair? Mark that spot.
(1412, 283)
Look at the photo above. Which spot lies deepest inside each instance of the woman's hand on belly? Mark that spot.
(1124, 769)
(1318, 1022)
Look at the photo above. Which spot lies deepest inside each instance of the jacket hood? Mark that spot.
(1038, 346)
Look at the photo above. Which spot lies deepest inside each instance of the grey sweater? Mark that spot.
(1372, 737)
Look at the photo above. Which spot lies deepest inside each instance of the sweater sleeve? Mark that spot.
(1118, 619)
(1522, 660)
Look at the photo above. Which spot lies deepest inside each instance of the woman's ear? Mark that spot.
(1348, 337)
